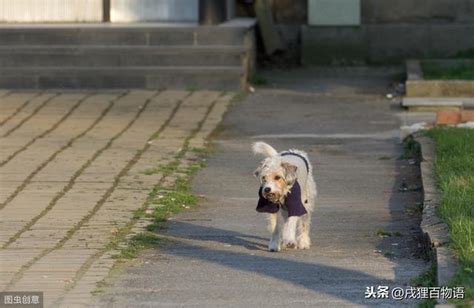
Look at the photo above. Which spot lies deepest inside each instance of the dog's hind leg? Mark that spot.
(274, 228)
(302, 232)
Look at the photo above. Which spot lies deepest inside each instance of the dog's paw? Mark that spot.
(289, 239)
(289, 243)
(304, 242)
(274, 246)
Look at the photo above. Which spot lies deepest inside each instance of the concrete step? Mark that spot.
(134, 55)
(34, 56)
(437, 103)
(144, 77)
(148, 34)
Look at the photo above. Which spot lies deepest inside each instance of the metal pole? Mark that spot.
(212, 12)
(106, 11)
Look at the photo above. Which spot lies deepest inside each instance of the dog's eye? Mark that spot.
(263, 178)
(277, 178)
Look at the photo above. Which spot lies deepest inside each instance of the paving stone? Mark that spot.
(24, 111)
(46, 118)
(4, 93)
(69, 188)
(11, 103)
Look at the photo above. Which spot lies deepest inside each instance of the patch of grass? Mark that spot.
(411, 149)
(151, 171)
(435, 71)
(238, 97)
(258, 80)
(465, 277)
(193, 167)
(139, 213)
(167, 202)
(169, 168)
(385, 157)
(426, 279)
(137, 243)
(166, 169)
(163, 201)
(427, 303)
(417, 209)
(201, 151)
(465, 54)
(381, 232)
(192, 88)
(455, 173)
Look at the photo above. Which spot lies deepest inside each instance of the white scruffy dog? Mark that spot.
(278, 173)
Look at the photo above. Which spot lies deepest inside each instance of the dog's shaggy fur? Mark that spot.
(277, 174)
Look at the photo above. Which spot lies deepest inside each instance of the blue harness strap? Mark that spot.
(298, 155)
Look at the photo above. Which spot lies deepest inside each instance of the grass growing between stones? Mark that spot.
(411, 149)
(465, 54)
(384, 233)
(426, 279)
(165, 200)
(137, 243)
(434, 71)
(258, 80)
(455, 173)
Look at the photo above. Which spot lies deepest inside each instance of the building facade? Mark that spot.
(93, 11)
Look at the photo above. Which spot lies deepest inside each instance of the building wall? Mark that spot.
(154, 10)
(417, 11)
(51, 11)
(387, 11)
(390, 31)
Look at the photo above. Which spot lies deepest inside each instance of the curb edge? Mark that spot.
(436, 232)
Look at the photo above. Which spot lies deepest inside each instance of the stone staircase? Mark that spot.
(107, 56)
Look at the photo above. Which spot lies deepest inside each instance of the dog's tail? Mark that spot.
(264, 148)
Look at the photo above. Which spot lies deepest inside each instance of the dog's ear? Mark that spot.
(290, 173)
(257, 171)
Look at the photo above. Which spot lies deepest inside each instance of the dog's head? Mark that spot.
(276, 178)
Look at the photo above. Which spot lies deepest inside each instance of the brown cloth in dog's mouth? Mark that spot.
(292, 202)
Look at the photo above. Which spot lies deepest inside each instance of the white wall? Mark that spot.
(334, 12)
(51, 10)
(154, 10)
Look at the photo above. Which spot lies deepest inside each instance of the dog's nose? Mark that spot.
(267, 189)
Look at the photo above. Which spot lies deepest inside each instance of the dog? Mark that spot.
(286, 186)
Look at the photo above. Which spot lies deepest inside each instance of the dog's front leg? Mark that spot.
(289, 232)
(274, 228)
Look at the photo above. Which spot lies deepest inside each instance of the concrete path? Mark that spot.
(216, 255)
(72, 174)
